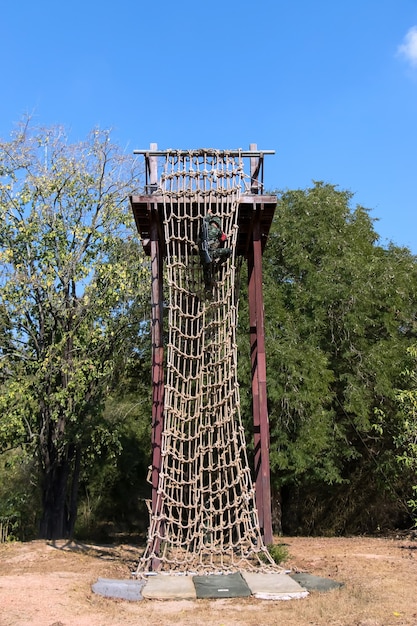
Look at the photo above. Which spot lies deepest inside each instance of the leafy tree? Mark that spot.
(71, 293)
(18, 495)
(114, 487)
(340, 314)
(407, 436)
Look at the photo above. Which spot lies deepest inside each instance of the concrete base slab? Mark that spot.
(165, 587)
(221, 586)
(315, 583)
(124, 589)
(188, 587)
(274, 586)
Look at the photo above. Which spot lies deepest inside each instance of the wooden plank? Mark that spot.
(204, 151)
(255, 389)
(143, 205)
(157, 365)
(259, 391)
(254, 170)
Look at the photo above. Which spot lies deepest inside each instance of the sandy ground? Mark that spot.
(49, 584)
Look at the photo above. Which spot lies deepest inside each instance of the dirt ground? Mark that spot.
(49, 584)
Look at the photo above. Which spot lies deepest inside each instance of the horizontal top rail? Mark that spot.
(208, 151)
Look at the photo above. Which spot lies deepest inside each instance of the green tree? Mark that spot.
(407, 436)
(114, 487)
(71, 295)
(18, 495)
(340, 314)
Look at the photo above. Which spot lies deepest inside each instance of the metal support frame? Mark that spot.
(259, 393)
(157, 359)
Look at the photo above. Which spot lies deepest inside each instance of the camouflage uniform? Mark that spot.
(211, 250)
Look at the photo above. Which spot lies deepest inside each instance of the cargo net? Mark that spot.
(206, 519)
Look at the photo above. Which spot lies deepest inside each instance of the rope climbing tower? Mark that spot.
(204, 514)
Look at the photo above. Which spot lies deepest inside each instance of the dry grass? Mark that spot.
(50, 585)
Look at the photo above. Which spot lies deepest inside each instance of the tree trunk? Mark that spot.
(277, 511)
(54, 521)
(73, 501)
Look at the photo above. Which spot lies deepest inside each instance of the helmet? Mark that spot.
(216, 220)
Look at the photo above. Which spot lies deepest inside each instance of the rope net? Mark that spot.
(206, 518)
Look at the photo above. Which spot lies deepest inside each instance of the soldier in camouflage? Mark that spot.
(212, 250)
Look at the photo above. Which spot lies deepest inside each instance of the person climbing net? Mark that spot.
(213, 252)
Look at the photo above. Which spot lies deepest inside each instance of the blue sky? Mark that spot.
(330, 85)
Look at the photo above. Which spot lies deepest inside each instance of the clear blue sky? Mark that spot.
(331, 85)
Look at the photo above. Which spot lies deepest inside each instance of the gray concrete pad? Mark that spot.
(221, 586)
(169, 587)
(124, 589)
(274, 586)
(315, 583)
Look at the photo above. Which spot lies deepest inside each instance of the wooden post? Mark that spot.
(255, 386)
(153, 169)
(254, 170)
(157, 360)
(259, 396)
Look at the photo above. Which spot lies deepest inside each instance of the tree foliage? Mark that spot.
(340, 314)
(114, 488)
(71, 294)
(407, 437)
(75, 399)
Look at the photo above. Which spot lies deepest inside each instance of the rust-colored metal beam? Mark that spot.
(256, 170)
(255, 385)
(157, 361)
(259, 394)
(204, 151)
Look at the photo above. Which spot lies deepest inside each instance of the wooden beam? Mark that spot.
(255, 387)
(259, 394)
(254, 170)
(144, 204)
(205, 151)
(157, 363)
(153, 169)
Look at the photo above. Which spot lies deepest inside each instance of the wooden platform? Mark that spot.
(250, 206)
